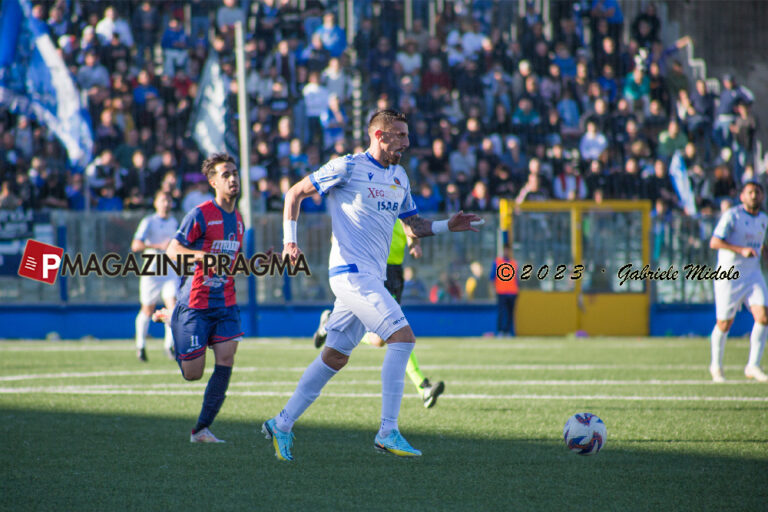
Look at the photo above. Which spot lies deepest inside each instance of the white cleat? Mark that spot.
(204, 436)
(162, 315)
(755, 372)
(717, 374)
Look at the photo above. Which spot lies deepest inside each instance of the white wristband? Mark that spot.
(440, 226)
(289, 231)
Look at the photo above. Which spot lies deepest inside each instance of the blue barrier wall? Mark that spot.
(693, 319)
(117, 321)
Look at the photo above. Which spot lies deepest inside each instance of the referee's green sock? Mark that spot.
(413, 371)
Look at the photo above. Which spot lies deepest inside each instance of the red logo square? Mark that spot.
(41, 262)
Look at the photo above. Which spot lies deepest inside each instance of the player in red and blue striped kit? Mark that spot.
(206, 313)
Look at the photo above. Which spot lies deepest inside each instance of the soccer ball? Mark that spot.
(584, 433)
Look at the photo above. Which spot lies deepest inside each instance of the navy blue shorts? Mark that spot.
(195, 329)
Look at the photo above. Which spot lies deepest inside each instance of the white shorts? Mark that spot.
(747, 289)
(154, 289)
(362, 305)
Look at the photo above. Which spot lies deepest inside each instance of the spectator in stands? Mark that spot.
(592, 143)
(637, 89)
(701, 185)
(532, 190)
(610, 11)
(332, 36)
(175, 44)
(76, 192)
(671, 140)
(105, 171)
(8, 200)
(316, 56)
(646, 25)
(145, 26)
(463, 160)
(336, 79)
(107, 200)
(380, 64)
(116, 56)
(111, 24)
(228, 14)
(569, 185)
(197, 193)
(659, 185)
(92, 74)
(428, 198)
(479, 199)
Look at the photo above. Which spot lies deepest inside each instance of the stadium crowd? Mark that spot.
(529, 118)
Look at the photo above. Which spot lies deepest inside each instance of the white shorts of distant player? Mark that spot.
(749, 289)
(154, 289)
(362, 305)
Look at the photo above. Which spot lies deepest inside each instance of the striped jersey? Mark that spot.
(210, 229)
(365, 199)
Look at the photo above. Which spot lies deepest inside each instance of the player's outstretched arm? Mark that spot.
(719, 243)
(293, 198)
(418, 227)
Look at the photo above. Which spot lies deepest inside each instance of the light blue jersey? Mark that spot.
(364, 200)
(737, 227)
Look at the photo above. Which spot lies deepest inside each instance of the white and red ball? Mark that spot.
(585, 433)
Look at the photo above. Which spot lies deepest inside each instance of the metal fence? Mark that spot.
(455, 266)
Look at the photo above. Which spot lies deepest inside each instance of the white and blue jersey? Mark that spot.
(365, 200)
(738, 227)
(153, 229)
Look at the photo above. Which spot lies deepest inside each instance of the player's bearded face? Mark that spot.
(752, 197)
(394, 141)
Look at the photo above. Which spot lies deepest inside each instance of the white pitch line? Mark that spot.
(377, 368)
(75, 390)
(454, 383)
(290, 344)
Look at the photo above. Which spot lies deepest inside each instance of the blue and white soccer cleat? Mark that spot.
(395, 443)
(282, 441)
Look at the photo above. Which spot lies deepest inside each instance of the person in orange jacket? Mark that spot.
(504, 277)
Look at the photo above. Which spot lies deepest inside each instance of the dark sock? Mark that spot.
(215, 393)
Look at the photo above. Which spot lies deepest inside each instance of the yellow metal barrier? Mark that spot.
(563, 312)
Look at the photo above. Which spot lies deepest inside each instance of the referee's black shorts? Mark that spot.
(394, 283)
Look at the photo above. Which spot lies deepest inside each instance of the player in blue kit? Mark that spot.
(206, 313)
(738, 238)
(367, 193)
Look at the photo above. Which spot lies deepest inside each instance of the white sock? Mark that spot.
(168, 336)
(718, 346)
(392, 384)
(757, 343)
(311, 383)
(142, 327)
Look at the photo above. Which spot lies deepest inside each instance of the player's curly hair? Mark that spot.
(210, 163)
(386, 117)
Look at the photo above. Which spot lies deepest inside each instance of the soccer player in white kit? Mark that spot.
(738, 237)
(154, 233)
(367, 193)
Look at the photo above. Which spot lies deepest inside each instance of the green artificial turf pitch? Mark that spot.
(85, 426)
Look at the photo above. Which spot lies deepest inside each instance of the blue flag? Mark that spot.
(34, 81)
(678, 172)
